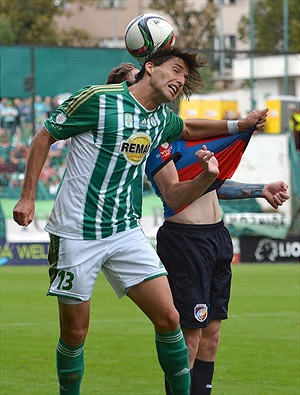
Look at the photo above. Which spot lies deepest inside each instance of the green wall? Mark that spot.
(56, 70)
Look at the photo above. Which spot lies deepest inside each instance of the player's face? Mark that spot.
(169, 78)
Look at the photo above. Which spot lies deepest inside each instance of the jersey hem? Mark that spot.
(63, 295)
(156, 275)
(80, 237)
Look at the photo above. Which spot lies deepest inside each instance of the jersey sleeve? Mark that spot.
(160, 156)
(157, 159)
(228, 151)
(173, 128)
(76, 115)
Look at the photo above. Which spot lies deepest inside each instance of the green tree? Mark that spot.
(32, 22)
(269, 27)
(195, 28)
(7, 35)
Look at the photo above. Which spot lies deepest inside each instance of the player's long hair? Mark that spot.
(193, 61)
(120, 73)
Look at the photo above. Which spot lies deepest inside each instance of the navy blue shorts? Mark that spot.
(198, 260)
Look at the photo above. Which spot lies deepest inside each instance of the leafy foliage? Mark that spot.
(269, 26)
(195, 29)
(34, 24)
(7, 34)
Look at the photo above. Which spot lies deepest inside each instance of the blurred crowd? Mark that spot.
(20, 119)
(16, 132)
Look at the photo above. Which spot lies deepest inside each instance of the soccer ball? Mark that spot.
(147, 33)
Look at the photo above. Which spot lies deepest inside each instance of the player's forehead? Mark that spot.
(180, 63)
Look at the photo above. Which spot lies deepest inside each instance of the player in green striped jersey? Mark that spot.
(94, 224)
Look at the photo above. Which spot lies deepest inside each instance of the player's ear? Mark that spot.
(149, 66)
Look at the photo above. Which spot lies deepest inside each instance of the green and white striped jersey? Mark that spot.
(111, 136)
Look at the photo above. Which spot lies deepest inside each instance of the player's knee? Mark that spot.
(213, 343)
(74, 337)
(210, 345)
(167, 322)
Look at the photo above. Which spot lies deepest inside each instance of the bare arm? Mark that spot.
(275, 193)
(197, 128)
(178, 194)
(24, 209)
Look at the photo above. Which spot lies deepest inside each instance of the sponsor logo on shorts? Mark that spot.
(200, 312)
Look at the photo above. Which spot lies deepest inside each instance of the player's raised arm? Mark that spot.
(197, 128)
(275, 193)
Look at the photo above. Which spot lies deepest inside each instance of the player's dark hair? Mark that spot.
(193, 61)
(120, 73)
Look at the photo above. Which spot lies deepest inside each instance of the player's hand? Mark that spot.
(23, 212)
(256, 117)
(276, 193)
(208, 161)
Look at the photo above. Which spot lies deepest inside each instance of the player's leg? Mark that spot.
(192, 340)
(74, 322)
(204, 363)
(219, 298)
(134, 269)
(75, 265)
(154, 298)
(181, 248)
(209, 341)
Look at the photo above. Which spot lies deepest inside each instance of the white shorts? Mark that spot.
(126, 259)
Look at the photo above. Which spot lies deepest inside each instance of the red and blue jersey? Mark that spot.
(227, 149)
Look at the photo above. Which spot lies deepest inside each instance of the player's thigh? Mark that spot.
(221, 279)
(154, 298)
(74, 267)
(186, 255)
(212, 330)
(131, 261)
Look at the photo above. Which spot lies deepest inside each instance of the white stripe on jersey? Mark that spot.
(125, 172)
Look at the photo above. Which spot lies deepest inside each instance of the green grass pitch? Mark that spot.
(258, 353)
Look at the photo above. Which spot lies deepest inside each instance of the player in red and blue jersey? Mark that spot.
(193, 243)
(228, 151)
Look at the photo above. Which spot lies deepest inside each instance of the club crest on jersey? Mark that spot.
(136, 147)
(200, 312)
(153, 121)
(128, 120)
(60, 118)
